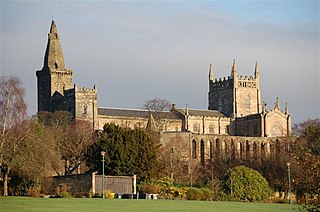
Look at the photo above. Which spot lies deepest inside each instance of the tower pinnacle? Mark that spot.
(234, 72)
(256, 71)
(210, 73)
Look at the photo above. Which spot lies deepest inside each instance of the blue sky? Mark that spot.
(137, 50)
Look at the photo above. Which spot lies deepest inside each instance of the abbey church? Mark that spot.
(236, 122)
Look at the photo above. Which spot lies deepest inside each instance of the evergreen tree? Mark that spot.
(128, 152)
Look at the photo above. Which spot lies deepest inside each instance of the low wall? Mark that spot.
(83, 184)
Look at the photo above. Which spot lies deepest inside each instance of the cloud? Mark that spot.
(136, 51)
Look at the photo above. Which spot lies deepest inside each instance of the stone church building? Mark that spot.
(236, 122)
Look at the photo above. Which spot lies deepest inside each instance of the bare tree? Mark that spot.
(76, 144)
(157, 105)
(13, 112)
(158, 108)
(71, 138)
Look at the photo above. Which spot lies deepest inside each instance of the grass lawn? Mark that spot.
(8, 204)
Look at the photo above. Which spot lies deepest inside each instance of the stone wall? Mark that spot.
(204, 147)
(78, 185)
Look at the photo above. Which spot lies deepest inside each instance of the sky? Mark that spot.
(138, 50)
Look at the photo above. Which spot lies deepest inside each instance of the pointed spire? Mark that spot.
(187, 110)
(211, 73)
(234, 72)
(286, 110)
(256, 71)
(264, 109)
(53, 58)
(151, 125)
(276, 104)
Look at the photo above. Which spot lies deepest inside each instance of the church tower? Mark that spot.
(54, 78)
(235, 96)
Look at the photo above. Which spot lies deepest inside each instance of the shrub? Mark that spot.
(244, 183)
(165, 188)
(65, 194)
(206, 194)
(109, 194)
(194, 194)
(34, 191)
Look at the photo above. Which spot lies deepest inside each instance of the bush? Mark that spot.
(65, 194)
(244, 183)
(34, 191)
(165, 188)
(206, 194)
(109, 194)
(194, 194)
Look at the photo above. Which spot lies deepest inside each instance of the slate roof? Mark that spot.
(134, 113)
(207, 113)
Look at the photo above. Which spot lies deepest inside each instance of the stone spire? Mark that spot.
(286, 110)
(276, 104)
(151, 125)
(234, 72)
(264, 107)
(256, 71)
(187, 110)
(211, 73)
(53, 57)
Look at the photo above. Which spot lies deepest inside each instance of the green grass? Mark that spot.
(8, 204)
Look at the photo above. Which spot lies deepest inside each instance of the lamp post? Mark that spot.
(289, 179)
(103, 154)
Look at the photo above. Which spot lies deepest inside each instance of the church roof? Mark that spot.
(207, 113)
(139, 113)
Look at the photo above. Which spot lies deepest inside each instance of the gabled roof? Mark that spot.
(139, 113)
(206, 113)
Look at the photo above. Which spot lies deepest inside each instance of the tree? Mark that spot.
(75, 146)
(173, 158)
(72, 138)
(128, 152)
(13, 113)
(156, 107)
(246, 184)
(307, 156)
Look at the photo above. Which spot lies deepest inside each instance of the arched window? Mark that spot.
(218, 148)
(85, 109)
(202, 152)
(276, 130)
(226, 150)
(263, 150)
(233, 149)
(255, 150)
(211, 128)
(196, 127)
(210, 150)
(247, 101)
(247, 149)
(241, 150)
(278, 149)
(194, 149)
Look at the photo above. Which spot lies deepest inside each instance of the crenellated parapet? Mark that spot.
(221, 84)
(247, 82)
(85, 90)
